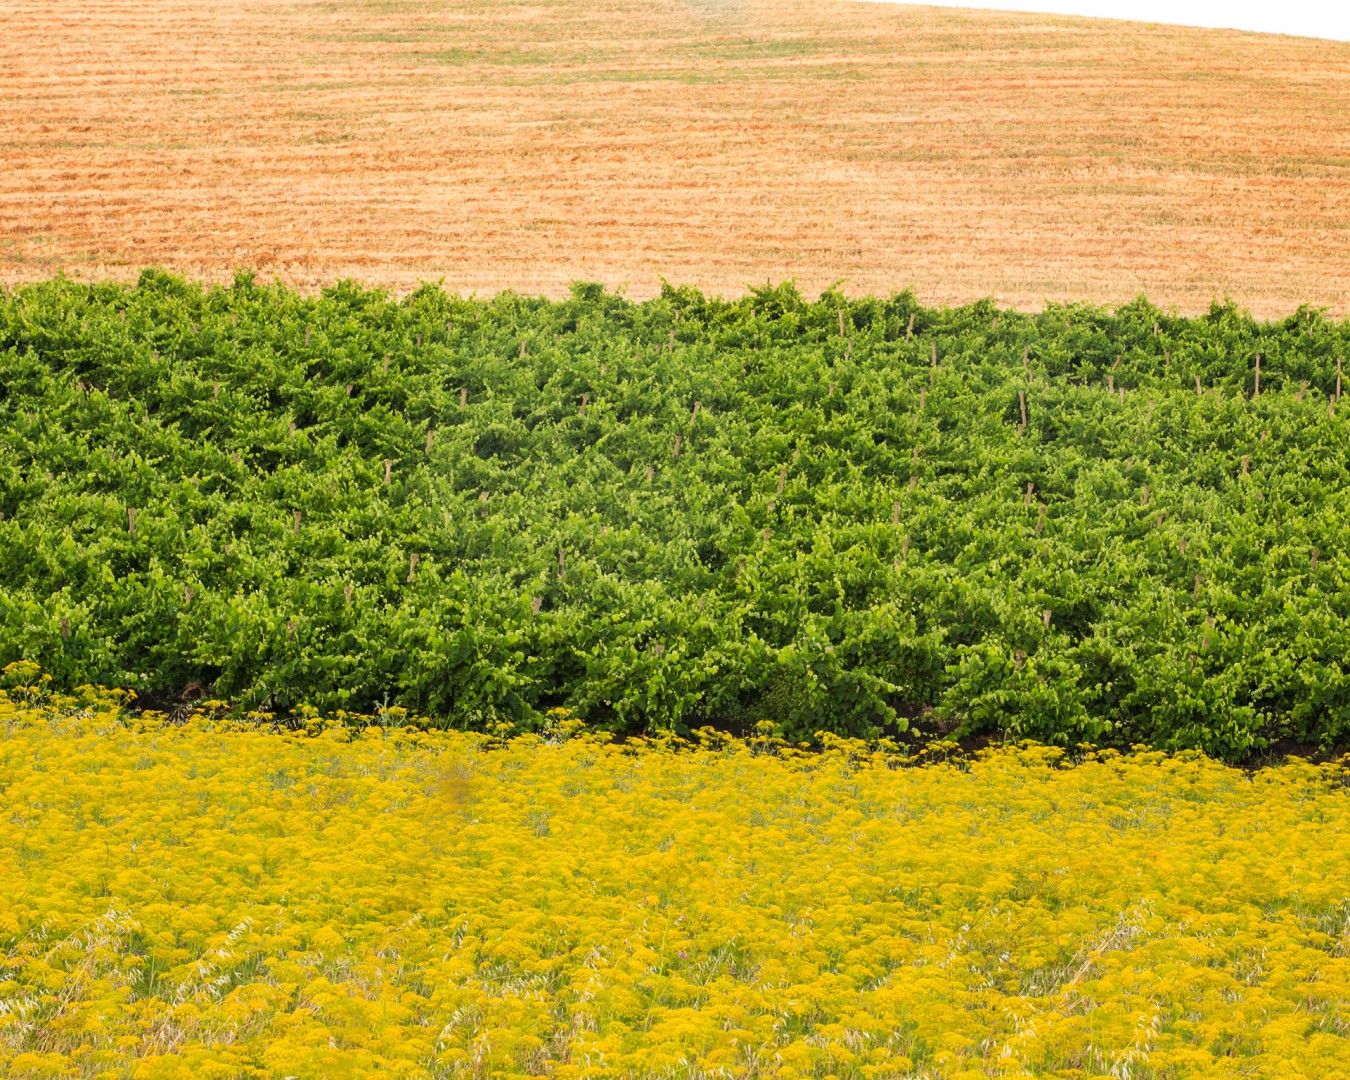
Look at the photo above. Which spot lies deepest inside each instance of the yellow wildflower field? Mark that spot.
(210, 899)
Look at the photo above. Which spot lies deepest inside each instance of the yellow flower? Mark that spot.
(218, 899)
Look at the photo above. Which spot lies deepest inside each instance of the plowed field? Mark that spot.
(522, 145)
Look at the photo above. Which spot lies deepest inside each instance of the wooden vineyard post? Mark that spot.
(922, 401)
(431, 437)
(1182, 545)
(385, 369)
(522, 348)
(1302, 388)
(562, 564)
(841, 322)
(1040, 522)
(1209, 626)
(904, 545)
(1030, 488)
(1111, 384)
(295, 522)
(131, 520)
(1145, 503)
(215, 389)
(536, 602)
(187, 595)
(388, 469)
(932, 377)
(65, 629)
(909, 330)
(306, 337)
(675, 451)
(1316, 553)
(1256, 392)
(1195, 593)
(895, 513)
(347, 594)
(463, 396)
(913, 482)
(1045, 617)
(585, 399)
(1338, 378)
(1022, 402)
(782, 479)
(412, 565)
(483, 501)
(1198, 388)
(651, 471)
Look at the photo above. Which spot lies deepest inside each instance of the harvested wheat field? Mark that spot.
(523, 145)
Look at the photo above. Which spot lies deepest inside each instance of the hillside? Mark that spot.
(524, 145)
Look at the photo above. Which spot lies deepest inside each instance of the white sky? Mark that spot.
(1306, 18)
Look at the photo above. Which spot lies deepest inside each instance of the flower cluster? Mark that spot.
(205, 899)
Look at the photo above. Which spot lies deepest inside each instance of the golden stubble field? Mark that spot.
(497, 144)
